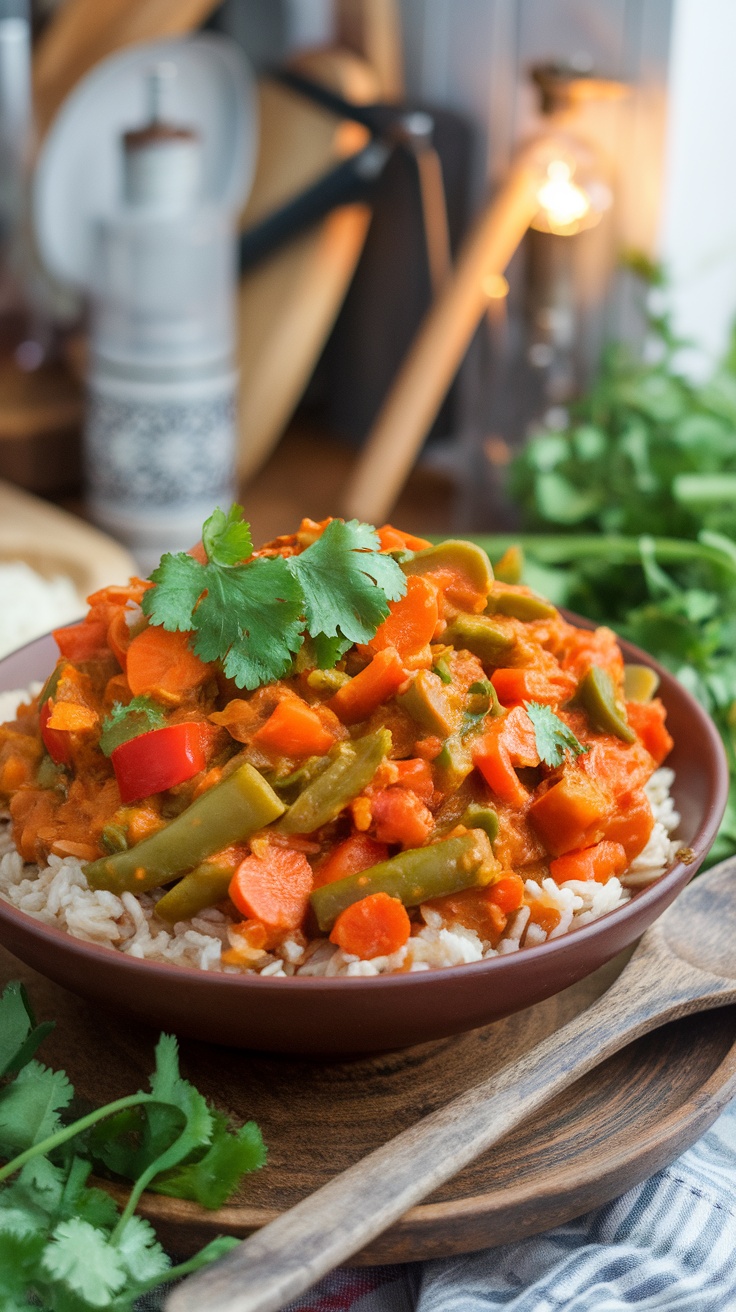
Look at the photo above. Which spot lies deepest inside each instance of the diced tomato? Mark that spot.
(158, 760)
(416, 775)
(359, 852)
(82, 642)
(647, 720)
(400, 817)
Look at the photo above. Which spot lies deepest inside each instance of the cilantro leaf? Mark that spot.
(29, 1107)
(140, 1252)
(210, 1179)
(347, 582)
(553, 737)
(125, 722)
(19, 1257)
(226, 538)
(180, 581)
(327, 651)
(251, 619)
(82, 1258)
(20, 1036)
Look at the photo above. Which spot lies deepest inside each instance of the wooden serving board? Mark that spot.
(623, 1122)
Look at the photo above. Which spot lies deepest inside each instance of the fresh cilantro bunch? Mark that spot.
(65, 1246)
(252, 614)
(553, 737)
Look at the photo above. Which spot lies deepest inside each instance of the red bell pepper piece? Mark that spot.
(158, 760)
(81, 642)
(56, 741)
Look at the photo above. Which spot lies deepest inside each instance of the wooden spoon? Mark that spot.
(683, 964)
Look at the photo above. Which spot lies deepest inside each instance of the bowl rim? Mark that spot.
(700, 845)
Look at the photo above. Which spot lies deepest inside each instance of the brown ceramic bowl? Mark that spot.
(331, 1016)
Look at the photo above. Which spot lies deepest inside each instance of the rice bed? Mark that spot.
(58, 895)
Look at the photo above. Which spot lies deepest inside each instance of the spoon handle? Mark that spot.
(279, 1262)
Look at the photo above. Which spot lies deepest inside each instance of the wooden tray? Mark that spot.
(617, 1126)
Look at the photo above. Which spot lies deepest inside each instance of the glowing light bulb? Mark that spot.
(563, 204)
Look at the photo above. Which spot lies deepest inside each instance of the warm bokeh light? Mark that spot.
(495, 286)
(564, 205)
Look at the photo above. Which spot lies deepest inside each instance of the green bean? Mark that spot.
(352, 767)
(520, 605)
(415, 876)
(598, 695)
(427, 702)
(640, 683)
(456, 555)
(481, 817)
(201, 888)
(227, 813)
(453, 764)
(478, 633)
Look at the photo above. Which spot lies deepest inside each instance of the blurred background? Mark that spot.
(355, 228)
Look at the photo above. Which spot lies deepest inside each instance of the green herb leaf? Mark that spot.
(553, 737)
(226, 538)
(211, 1179)
(125, 722)
(140, 1253)
(20, 1036)
(346, 581)
(84, 1261)
(30, 1106)
(252, 616)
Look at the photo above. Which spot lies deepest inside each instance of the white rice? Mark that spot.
(58, 895)
(31, 605)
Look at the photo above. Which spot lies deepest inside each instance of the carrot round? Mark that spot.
(379, 681)
(273, 888)
(375, 926)
(163, 664)
(294, 729)
(412, 621)
(507, 893)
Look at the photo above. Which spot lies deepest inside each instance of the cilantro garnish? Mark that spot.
(553, 737)
(252, 615)
(64, 1244)
(125, 722)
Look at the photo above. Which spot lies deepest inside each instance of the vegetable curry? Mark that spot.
(328, 733)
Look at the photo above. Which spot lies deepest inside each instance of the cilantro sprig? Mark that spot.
(553, 737)
(125, 722)
(65, 1244)
(252, 614)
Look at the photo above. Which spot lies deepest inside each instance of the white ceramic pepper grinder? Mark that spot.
(160, 433)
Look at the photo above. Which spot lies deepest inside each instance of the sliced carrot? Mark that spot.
(599, 862)
(163, 664)
(294, 729)
(400, 817)
(416, 775)
(71, 717)
(586, 647)
(359, 852)
(514, 686)
(375, 926)
(379, 681)
(564, 815)
(507, 742)
(81, 642)
(507, 892)
(394, 539)
(412, 621)
(273, 888)
(647, 720)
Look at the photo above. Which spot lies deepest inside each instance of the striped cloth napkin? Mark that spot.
(669, 1245)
